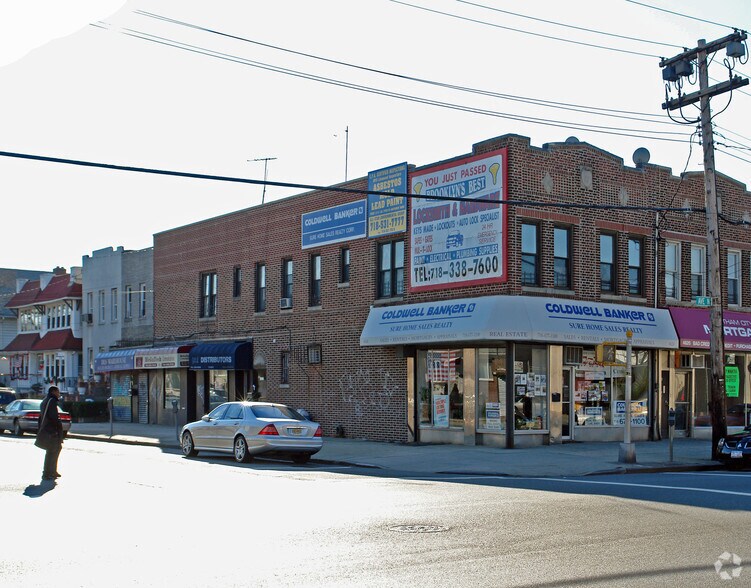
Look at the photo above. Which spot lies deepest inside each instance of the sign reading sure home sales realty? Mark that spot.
(334, 225)
(456, 241)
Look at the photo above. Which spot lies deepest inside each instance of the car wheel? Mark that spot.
(242, 455)
(301, 458)
(189, 449)
(17, 430)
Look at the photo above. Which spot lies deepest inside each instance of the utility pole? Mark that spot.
(265, 173)
(673, 70)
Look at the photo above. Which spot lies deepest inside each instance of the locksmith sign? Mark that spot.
(457, 240)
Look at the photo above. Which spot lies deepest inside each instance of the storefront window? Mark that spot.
(171, 388)
(600, 390)
(440, 388)
(217, 387)
(530, 387)
(737, 408)
(491, 389)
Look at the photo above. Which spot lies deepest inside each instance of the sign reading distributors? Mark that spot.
(457, 242)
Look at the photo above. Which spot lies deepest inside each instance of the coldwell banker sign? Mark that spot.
(334, 225)
(456, 242)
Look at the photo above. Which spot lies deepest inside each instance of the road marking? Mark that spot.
(716, 475)
(596, 482)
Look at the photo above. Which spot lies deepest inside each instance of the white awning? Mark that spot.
(518, 318)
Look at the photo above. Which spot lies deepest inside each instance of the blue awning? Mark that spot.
(117, 360)
(222, 356)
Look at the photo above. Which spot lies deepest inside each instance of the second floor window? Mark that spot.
(287, 278)
(607, 262)
(530, 258)
(635, 266)
(260, 287)
(344, 265)
(208, 294)
(101, 306)
(390, 269)
(142, 300)
(128, 302)
(673, 270)
(698, 270)
(114, 303)
(315, 280)
(734, 277)
(562, 257)
(237, 281)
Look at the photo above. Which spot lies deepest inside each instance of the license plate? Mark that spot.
(294, 430)
(736, 454)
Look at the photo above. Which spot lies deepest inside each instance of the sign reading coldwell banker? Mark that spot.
(457, 243)
(387, 214)
(334, 225)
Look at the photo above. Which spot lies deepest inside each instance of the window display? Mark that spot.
(491, 389)
(440, 381)
(530, 387)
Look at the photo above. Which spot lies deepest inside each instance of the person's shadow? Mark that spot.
(38, 490)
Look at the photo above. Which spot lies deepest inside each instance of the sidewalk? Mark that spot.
(570, 459)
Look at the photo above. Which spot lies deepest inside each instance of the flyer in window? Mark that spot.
(493, 415)
(441, 410)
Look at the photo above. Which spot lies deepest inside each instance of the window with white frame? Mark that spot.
(128, 302)
(734, 277)
(673, 270)
(142, 300)
(114, 304)
(101, 306)
(698, 270)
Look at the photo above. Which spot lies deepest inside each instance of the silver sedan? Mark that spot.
(248, 429)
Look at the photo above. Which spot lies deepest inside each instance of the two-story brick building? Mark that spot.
(447, 320)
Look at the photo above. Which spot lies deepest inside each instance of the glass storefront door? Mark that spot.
(566, 404)
(682, 403)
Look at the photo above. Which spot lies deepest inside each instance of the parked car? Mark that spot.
(735, 450)
(23, 415)
(7, 395)
(735, 417)
(248, 429)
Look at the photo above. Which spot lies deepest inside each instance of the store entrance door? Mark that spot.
(682, 403)
(566, 412)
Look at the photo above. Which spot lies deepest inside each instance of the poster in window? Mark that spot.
(493, 415)
(441, 410)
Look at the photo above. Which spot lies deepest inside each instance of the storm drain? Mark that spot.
(418, 528)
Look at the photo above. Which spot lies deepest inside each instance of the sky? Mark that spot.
(210, 87)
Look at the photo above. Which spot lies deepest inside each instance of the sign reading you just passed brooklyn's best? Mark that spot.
(454, 241)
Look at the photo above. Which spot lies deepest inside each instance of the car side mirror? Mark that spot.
(206, 418)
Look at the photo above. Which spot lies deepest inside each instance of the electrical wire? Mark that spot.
(570, 26)
(550, 37)
(680, 14)
(337, 189)
(512, 97)
(617, 131)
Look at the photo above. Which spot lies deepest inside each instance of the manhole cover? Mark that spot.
(418, 528)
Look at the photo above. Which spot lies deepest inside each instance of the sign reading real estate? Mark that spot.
(732, 381)
(334, 225)
(387, 214)
(456, 241)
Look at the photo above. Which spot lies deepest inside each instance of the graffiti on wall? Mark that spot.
(370, 389)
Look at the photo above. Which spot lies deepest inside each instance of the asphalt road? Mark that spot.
(137, 516)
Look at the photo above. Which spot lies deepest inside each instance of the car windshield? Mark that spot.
(30, 405)
(276, 412)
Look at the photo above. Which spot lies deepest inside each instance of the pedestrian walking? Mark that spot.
(50, 433)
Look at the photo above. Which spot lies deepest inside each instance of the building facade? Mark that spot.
(47, 347)
(471, 311)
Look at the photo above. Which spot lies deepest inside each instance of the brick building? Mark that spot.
(390, 335)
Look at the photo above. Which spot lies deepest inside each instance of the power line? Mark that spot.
(570, 26)
(680, 14)
(617, 131)
(512, 97)
(490, 24)
(338, 189)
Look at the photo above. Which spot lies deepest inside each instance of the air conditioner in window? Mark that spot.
(87, 318)
(285, 303)
(698, 361)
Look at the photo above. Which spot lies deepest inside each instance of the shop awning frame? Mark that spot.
(236, 355)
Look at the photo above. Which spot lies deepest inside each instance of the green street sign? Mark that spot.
(703, 301)
(732, 381)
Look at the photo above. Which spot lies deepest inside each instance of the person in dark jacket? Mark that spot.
(51, 427)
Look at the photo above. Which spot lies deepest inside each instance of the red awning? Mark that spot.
(23, 342)
(62, 340)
